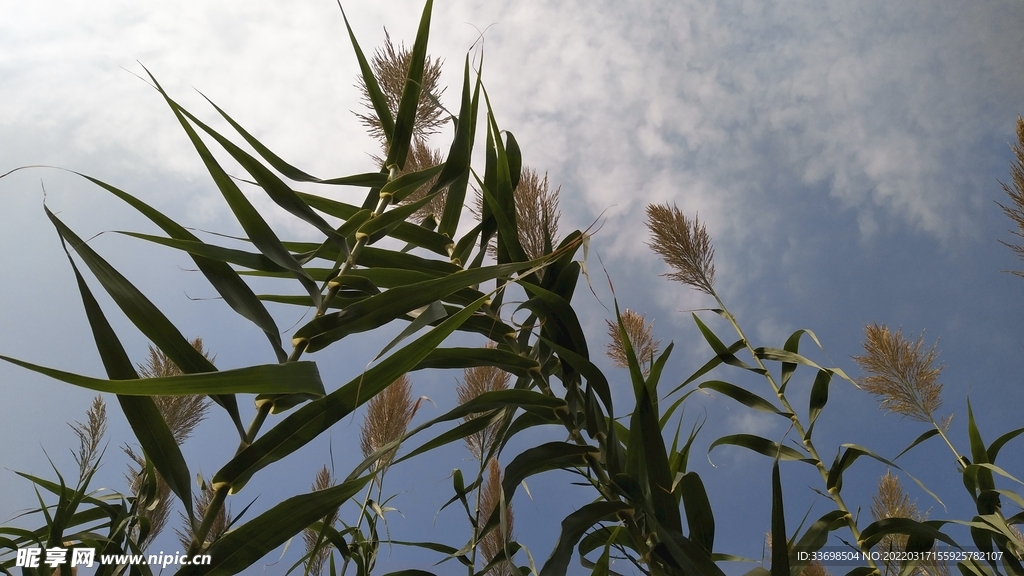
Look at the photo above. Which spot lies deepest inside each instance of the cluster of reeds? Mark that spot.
(433, 277)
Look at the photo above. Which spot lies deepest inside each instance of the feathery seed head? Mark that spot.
(1015, 210)
(391, 68)
(493, 543)
(901, 373)
(89, 435)
(641, 338)
(537, 213)
(387, 418)
(476, 381)
(684, 245)
(317, 557)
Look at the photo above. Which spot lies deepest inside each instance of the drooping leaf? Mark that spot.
(742, 396)
(312, 419)
(574, 526)
(257, 229)
(146, 316)
(246, 544)
(761, 445)
(291, 377)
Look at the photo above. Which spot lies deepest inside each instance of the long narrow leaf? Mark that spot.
(145, 315)
(308, 422)
(574, 526)
(259, 232)
(292, 377)
(143, 416)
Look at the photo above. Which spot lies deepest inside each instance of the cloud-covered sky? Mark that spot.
(846, 158)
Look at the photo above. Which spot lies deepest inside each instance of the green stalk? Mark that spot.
(798, 426)
(298, 348)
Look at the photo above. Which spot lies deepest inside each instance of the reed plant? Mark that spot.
(406, 254)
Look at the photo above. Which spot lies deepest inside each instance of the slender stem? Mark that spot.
(959, 458)
(199, 537)
(299, 347)
(833, 492)
(359, 523)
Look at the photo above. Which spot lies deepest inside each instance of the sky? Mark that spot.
(845, 157)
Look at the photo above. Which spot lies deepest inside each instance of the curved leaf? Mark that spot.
(308, 422)
(574, 526)
(761, 445)
(699, 517)
(448, 358)
(742, 396)
(291, 377)
(246, 544)
(257, 229)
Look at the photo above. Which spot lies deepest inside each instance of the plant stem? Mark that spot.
(851, 522)
(297, 350)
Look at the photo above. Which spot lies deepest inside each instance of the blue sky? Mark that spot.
(845, 157)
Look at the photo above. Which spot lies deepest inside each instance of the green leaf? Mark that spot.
(699, 517)
(724, 353)
(143, 416)
(742, 396)
(259, 232)
(406, 184)
(560, 324)
(514, 399)
(780, 548)
(873, 533)
(710, 365)
(574, 526)
(928, 434)
(761, 445)
(498, 193)
(792, 345)
(814, 538)
(819, 397)
(655, 464)
(224, 280)
(145, 316)
(459, 358)
(850, 453)
(997, 445)
(292, 377)
(425, 316)
(383, 308)
(405, 231)
(548, 456)
(251, 260)
(371, 180)
(246, 544)
(456, 167)
(380, 103)
(588, 370)
(275, 188)
(405, 120)
(308, 422)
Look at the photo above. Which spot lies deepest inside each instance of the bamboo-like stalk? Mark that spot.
(837, 498)
(686, 247)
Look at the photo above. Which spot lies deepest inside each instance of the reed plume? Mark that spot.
(390, 65)
(317, 556)
(387, 418)
(182, 415)
(901, 373)
(684, 245)
(641, 338)
(1015, 190)
(476, 381)
(89, 434)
